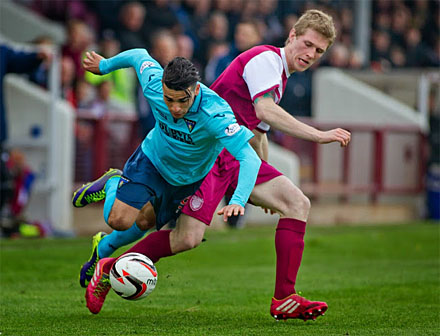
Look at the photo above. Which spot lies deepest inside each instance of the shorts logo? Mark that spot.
(195, 203)
(232, 129)
(144, 65)
(182, 204)
(123, 180)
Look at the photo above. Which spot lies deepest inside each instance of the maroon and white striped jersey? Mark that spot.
(253, 73)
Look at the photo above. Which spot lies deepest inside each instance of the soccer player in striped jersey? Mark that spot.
(253, 85)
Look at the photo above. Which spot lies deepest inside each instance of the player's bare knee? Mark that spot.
(297, 205)
(118, 222)
(305, 203)
(190, 241)
(143, 223)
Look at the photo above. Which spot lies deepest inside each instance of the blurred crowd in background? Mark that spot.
(213, 32)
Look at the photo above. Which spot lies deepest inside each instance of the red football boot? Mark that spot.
(297, 307)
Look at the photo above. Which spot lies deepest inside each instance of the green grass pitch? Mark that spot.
(381, 280)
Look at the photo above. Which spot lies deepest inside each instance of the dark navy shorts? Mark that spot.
(141, 182)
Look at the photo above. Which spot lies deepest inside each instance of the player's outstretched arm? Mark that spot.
(249, 166)
(269, 112)
(91, 62)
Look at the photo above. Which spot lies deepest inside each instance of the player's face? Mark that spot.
(302, 51)
(179, 102)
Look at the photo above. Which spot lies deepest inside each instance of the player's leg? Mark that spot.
(197, 211)
(187, 235)
(282, 196)
(124, 197)
(124, 201)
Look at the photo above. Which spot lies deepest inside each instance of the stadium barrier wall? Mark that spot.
(19, 24)
(379, 160)
(43, 131)
(338, 97)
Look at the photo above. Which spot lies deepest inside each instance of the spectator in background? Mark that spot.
(103, 104)
(346, 26)
(84, 94)
(382, 21)
(105, 13)
(129, 34)
(399, 24)
(79, 38)
(192, 15)
(215, 51)
(288, 22)
(163, 49)
(185, 46)
(67, 80)
(215, 31)
(418, 54)
(40, 75)
(338, 57)
(267, 15)
(247, 35)
(163, 46)
(13, 60)
(380, 52)
(65, 10)
(431, 27)
(123, 81)
(397, 57)
(160, 16)
(357, 60)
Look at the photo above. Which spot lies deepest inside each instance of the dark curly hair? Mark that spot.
(180, 74)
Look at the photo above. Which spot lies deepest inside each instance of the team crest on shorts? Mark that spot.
(195, 203)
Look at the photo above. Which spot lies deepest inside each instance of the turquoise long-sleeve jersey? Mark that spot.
(184, 150)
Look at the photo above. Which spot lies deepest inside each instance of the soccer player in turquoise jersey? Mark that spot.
(193, 125)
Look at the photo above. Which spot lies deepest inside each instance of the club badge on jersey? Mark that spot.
(232, 129)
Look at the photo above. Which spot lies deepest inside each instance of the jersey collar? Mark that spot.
(283, 57)
(195, 106)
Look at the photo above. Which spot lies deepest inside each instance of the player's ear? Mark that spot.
(292, 34)
(197, 90)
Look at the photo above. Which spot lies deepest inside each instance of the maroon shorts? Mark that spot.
(221, 180)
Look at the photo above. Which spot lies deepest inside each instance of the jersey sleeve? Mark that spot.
(225, 128)
(235, 139)
(262, 73)
(146, 66)
(247, 176)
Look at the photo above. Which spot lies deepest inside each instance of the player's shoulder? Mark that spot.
(211, 104)
(266, 51)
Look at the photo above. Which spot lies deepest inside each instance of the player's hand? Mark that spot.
(336, 135)
(91, 62)
(229, 210)
(45, 53)
(266, 210)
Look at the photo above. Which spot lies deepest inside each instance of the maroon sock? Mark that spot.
(289, 246)
(155, 246)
